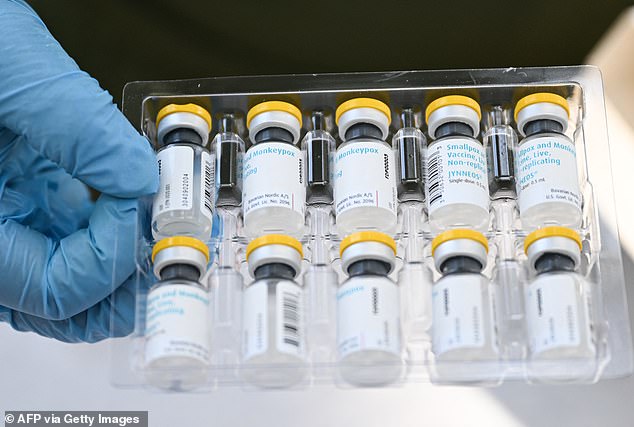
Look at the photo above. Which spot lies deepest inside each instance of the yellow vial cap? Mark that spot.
(553, 231)
(452, 100)
(536, 98)
(459, 233)
(264, 107)
(170, 242)
(275, 239)
(367, 236)
(363, 103)
(184, 108)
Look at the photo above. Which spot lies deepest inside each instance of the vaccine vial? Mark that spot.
(273, 346)
(177, 326)
(274, 191)
(183, 205)
(463, 326)
(369, 340)
(364, 174)
(548, 190)
(456, 187)
(557, 303)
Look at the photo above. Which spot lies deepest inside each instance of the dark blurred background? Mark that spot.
(119, 41)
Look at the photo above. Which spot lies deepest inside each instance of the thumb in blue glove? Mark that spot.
(59, 129)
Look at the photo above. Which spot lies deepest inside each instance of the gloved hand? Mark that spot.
(60, 253)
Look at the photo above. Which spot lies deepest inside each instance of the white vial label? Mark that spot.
(176, 175)
(364, 177)
(255, 320)
(207, 186)
(273, 176)
(290, 333)
(177, 323)
(552, 313)
(458, 314)
(456, 174)
(546, 169)
(368, 316)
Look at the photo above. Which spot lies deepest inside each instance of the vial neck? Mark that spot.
(552, 262)
(542, 126)
(368, 267)
(275, 270)
(454, 129)
(274, 134)
(182, 135)
(363, 130)
(461, 264)
(180, 271)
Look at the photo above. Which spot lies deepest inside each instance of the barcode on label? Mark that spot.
(290, 316)
(209, 182)
(434, 178)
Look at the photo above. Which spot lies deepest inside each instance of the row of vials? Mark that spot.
(264, 194)
(269, 180)
(273, 342)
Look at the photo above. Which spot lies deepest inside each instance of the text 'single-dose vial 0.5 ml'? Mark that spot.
(274, 185)
(177, 327)
(273, 341)
(548, 190)
(184, 203)
(364, 168)
(457, 188)
(369, 341)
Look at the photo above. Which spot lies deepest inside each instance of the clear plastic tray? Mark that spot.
(601, 254)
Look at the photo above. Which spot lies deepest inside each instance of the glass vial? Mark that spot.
(500, 141)
(320, 279)
(369, 340)
(364, 173)
(229, 149)
(274, 191)
(408, 146)
(414, 277)
(177, 327)
(463, 326)
(183, 205)
(548, 190)
(456, 188)
(273, 346)
(557, 303)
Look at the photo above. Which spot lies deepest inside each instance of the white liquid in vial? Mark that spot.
(462, 325)
(183, 205)
(177, 335)
(456, 185)
(365, 186)
(547, 181)
(273, 192)
(368, 331)
(558, 323)
(273, 341)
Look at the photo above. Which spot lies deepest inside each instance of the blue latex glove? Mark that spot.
(58, 249)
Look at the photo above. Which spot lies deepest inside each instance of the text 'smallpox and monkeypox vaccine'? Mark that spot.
(547, 179)
(457, 188)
